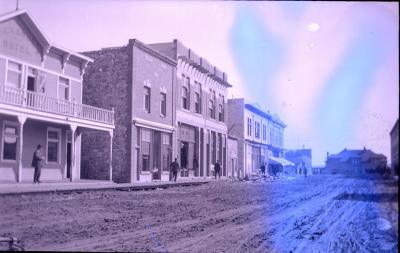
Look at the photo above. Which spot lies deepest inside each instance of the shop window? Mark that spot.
(63, 88)
(163, 104)
(14, 74)
(53, 145)
(145, 163)
(10, 137)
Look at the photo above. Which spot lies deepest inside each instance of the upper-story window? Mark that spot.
(257, 129)
(220, 113)
(185, 93)
(14, 74)
(249, 126)
(211, 112)
(197, 103)
(63, 88)
(264, 132)
(163, 104)
(146, 99)
(197, 98)
(185, 98)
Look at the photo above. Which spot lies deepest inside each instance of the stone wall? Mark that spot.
(95, 155)
(106, 84)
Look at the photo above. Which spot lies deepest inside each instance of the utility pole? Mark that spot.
(17, 7)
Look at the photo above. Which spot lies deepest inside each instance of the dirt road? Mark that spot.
(317, 214)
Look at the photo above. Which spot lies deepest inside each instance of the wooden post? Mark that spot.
(73, 131)
(21, 121)
(111, 132)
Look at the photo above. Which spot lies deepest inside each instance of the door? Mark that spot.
(69, 160)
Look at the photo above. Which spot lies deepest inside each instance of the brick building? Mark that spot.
(355, 161)
(138, 82)
(394, 148)
(201, 130)
(259, 135)
(41, 103)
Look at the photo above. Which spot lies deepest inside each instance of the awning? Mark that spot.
(281, 161)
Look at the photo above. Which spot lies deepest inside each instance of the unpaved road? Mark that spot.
(317, 214)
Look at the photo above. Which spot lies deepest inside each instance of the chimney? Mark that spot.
(327, 154)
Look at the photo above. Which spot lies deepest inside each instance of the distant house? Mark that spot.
(355, 161)
(394, 148)
(299, 157)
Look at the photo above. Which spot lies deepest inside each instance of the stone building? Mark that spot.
(259, 135)
(138, 82)
(394, 148)
(355, 161)
(201, 130)
(41, 103)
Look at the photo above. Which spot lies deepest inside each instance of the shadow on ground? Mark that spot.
(372, 197)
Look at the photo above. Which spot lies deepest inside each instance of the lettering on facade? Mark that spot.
(15, 40)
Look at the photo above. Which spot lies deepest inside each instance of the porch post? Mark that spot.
(21, 121)
(73, 130)
(111, 132)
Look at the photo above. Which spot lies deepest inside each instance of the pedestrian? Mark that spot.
(174, 169)
(263, 169)
(217, 169)
(37, 163)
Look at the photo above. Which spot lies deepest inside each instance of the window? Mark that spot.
(221, 113)
(185, 98)
(10, 136)
(197, 103)
(146, 99)
(145, 149)
(63, 88)
(211, 109)
(264, 134)
(14, 74)
(163, 104)
(53, 144)
(257, 129)
(166, 139)
(249, 126)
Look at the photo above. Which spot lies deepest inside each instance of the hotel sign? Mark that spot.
(16, 40)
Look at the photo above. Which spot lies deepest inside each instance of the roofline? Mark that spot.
(16, 13)
(394, 126)
(150, 50)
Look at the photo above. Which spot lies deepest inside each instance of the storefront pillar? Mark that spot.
(111, 133)
(73, 151)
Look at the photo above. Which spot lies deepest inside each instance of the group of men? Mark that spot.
(175, 167)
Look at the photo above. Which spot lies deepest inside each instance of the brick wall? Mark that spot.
(106, 84)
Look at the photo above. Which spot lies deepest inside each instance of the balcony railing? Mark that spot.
(37, 101)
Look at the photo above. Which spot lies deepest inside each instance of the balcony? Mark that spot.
(40, 102)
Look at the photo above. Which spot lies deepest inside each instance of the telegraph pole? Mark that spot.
(17, 7)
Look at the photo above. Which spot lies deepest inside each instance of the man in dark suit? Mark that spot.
(217, 169)
(37, 163)
(174, 169)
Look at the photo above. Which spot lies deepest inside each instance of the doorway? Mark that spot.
(184, 158)
(69, 159)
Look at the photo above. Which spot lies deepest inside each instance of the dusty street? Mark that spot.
(317, 214)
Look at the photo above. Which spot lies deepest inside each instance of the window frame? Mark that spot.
(185, 98)
(58, 130)
(68, 85)
(163, 104)
(11, 123)
(18, 71)
(145, 89)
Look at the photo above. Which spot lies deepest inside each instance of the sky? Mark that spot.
(330, 70)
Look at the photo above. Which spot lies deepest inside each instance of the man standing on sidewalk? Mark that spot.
(217, 169)
(174, 169)
(37, 163)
